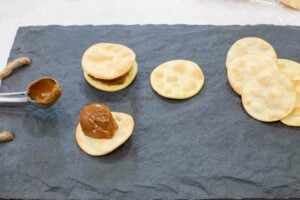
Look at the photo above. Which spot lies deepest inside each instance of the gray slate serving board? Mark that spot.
(204, 147)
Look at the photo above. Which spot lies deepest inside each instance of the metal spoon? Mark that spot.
(30, 96)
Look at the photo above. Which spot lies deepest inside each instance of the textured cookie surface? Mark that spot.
(289, 68)
(177, 79)
(101, 147)
(250, 46)
(107, 61)
(243, 68)
(269, 97)
(113, 85)
(292, 3)
(294, 118)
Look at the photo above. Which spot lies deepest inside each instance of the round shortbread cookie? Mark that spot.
(113, 85)
(289, 68)
(250, 46)
(292, 3)
(107, 61)
(245, 67)
(269, 97)
(101, 147)
(294, 118)
(177, 79)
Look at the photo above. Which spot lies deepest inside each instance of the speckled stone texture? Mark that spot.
(203, 147)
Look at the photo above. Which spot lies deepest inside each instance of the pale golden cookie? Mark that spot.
(294, 118)
(101, 147)
(177, 79)
(107, 61)
(269, 97)
(289, 68)
(250, 46)
(113, 85)
(243, 68)
(292, 3)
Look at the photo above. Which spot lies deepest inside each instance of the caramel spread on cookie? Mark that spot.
(116, 81)
(44, 91)
(97, 121)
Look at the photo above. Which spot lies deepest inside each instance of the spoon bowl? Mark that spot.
(43, 92)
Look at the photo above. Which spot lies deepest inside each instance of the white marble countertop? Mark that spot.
(15, 13)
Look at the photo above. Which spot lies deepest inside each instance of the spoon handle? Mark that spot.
(13, 98)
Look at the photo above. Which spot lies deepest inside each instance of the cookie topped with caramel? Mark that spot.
(97, 121)
(100, 131)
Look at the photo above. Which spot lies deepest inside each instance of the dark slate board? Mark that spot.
(204, 147)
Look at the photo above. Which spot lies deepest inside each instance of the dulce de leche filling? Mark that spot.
(45, 91)
(117, 81)
(97, 121)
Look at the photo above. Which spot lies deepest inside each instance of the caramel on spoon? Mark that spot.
(43, 92)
